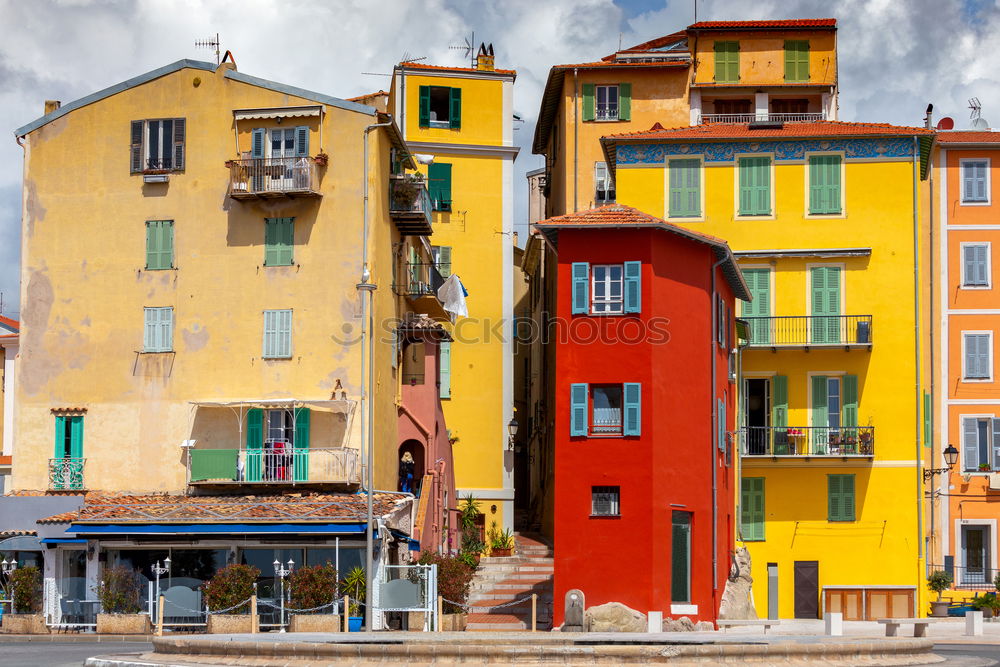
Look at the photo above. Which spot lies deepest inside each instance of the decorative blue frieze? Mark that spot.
(890, 148)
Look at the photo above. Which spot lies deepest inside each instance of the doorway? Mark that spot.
(806, 589)
(975, 554)
(758, 415)
(772, 590)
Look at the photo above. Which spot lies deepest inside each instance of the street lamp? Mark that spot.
(512, 427)
(950, 457)
(158, 570)
(281, 572)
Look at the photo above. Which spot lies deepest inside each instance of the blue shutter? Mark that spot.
(302, 141)
(445, 369)
(257, 144)
(578, 409)
(633, 287)
(581, 287)
(720, 424)
(633, 409)
(970, 444)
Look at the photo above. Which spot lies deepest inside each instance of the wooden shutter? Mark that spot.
(279, 241)
(284, 333)
(76, 436)
(820, 414)
(983, 355)
(578, 409)
(60, 449)
(825, 294)
(779, 401)
(159, 244)
(300, 446)
(179, 134)
(135, 152)
(302, 428)
(424, 107)
(633, 287)
(624, 101)
(439, 185)
(849, 398)
(982, 265)
(257, 143)
(928, 420)
(824, 184)
(974, 181)
(444, 260)
(633, 408)
(455, 108)
(995, 436)
(720, 424)
(685, 189)
(759, 282)
(840, 498)
(589, 102)
(581, 287)
(796, 61)
(270, 333)
(975, 265)
(287, 240)
(970, 443)
(166, 342)
(445, 369)
(752, 509)
(727, 62)
(301, 141)
(755, 186)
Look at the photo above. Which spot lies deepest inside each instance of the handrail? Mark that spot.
(807, 441)
(752, 117)
(810, 330)
(272, 175)
(274, 464)
(66, 473)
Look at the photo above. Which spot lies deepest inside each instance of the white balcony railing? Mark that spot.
(273, 177)
(274, 465)
(734, 118)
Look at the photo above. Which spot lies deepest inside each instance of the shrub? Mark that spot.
(313, 586)
(454, 579)
(472, 546)
(230, 586)
(939, 581)
(119, 590)
(26, 589)
(354, 586)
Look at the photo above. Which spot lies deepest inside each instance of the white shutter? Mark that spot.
(284, 333)
(270, 333)
(149, 330)
(996, 443)
(970, 448)
(166, 342)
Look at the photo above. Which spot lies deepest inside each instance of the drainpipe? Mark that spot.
(916, 353)
(930, 331)
(576, 138)
(715, 452)
(367, 291)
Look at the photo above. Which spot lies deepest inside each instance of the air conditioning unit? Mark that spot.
(994, 481)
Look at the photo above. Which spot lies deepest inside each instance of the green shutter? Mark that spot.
(633, 287)
(849, 397)
(820, 415)
(685, 189)
(796, 61)
(581, 287)
(444, 260)
(159, 244)
(755, 186)
(759, 282)
(589, 102)
(578, 409)
(752, 509)
(254, 444)
(727, 62)
(840, 498)
(455, 115)
(425, 106)
(779, 407)
(825, 296)
(439, 185)
(824, 184)
(60, 449)
(633, 408)
(300, 448)
(301, 141)
(445, 369)
(279, 241)
(624, 101)
(929, 421)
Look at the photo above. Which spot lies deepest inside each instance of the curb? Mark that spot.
(89, 638)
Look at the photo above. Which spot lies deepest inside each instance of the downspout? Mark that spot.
(715, 451)
(367, 290)
(576, 139)
(918, 468)
(930, 331)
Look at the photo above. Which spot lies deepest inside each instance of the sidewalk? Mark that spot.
(945, 631)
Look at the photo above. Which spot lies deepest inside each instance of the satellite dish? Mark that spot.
(946, 123)
(980, 124)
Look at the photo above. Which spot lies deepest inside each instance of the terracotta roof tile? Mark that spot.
(764, 25)
(18, 533)
(9, 323)
(968, 137)
(612, 63)
(411, 65)
(825, 128)
(367, 96)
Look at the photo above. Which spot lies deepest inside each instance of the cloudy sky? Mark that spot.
(895, 55)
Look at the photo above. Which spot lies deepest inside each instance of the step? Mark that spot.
(507, 597)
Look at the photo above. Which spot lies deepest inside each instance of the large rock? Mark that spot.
(682, 624)
(614, 617)
(736, 601)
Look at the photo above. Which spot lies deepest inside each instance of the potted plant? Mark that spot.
(454, 576)
(312, 587)
(118, 592)
(230, 164)
(501, 541)
(354, 586)
(472, 547)
(229, 593)
(26, 595)
(866, 441)
(405, 191)
(940, 581)
(986, 603)
(321, 159)
(984, 467)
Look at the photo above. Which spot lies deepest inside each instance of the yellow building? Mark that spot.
(458, 122)
(824, 219)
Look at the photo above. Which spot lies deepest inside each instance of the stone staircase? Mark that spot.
(502, 580)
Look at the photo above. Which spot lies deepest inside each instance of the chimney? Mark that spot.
(484, 61)
(52, 105)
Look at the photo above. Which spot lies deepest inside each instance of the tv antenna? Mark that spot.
(210, 43)
(978, 122)
(406, 59)
(469, 47)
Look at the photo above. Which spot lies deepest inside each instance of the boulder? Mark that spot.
(704, 626)
(736, 601)
(682, 624)
(614, 617)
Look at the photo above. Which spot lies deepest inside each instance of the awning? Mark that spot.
(219, 529)
(277, 112)
(63, 540)
(21, 543)
(345, 406)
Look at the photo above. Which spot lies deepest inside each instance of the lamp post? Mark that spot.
(8, 567)
(159, 570)
(281, 572)
(950, 457)
(512, 427)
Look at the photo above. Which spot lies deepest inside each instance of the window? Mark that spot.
(824, 184)
(834, 415)
(975, 265)
(758, 311)
(977, 356)
(610, 289)
(840, 497)
(736, 107)
(607, 102)
(439, 185)
(157, 144)
(159, 330)
(727, 62)
(833, 403)
(440, 106)
(279, 241)
(66, 470)
(685, 189)
(159, 244)
(277, 143)
(607, 282)
(444, 369)
(825, 320)
(413, 363)
(610, 409)
(280, 428)
(980, 443)
(277, 334)
(796, 106)
(442, 259)
(752, 509)
(975, 181)
(604, 501)
(680, 557)
(796, 60)
(755, 186)
(604, 189)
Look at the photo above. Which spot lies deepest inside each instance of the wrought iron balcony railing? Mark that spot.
(752, 117)
(808, 441)
(66, 473)
(410, 205)
(810, 330)
(419, 279)
(273, 177)
(274, 465)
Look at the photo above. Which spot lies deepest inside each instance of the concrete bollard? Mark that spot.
(834, 621)
(575, 605)
(973, 624)
(654, 621)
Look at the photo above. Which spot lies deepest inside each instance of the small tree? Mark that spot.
(454, 578)
(230, 586)
(313, 586)
(26, 589)
(355, 585)
(940, 581)
(119, 590)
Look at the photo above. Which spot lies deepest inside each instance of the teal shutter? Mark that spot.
(685, 189)
(284, 336)
(578, 409)
(633, 287)
(167, 244)
(825, 288)
(257, 143)
(279, 241)
(425, 106)
(624, 101)
(752, 509)
(60, 449)
(720, 424)
(445, 369)
(928, 422)
(589, 103)
(824, 184)
(166, 329)
(759, 282)
(76, 437)
(755, 186)
(581, 287)
(633, 408)
(439, 185)
(840, 498)
(254, 444)
(302, 141)
(159, 244)
(455, 108)
(820, 416)
(300, 449)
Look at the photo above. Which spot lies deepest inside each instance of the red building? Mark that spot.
(645, 394)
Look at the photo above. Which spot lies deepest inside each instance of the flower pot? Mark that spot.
(222, 624)
(501, 552)
(315, 623)
(354, 623)
(987, 612)
(24, 624)
(124, 624)
(939, 608)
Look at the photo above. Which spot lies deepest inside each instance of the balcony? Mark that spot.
(273, 464)
(410, 205)
(270, 178)
(66, 474)
(419, 284)
(808, 441)
(811, 331)
(737, 118)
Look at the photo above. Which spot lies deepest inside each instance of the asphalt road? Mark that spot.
(966, 655)
(61, 654)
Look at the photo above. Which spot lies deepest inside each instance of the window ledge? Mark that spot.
(680, 218)
(762, 216)
(605, 516)
(974, 203)
(976, 380)
(278, 358)
(976, 287)
(156, 351)
(826, 216)
(440, 124)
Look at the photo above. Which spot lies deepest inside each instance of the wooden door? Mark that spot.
(806, 589)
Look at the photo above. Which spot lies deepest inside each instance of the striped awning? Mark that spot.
(278, 112)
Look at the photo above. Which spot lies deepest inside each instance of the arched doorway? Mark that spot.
(411, 467)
